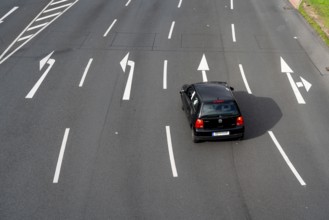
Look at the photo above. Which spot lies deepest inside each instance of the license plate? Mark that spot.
(224, 133)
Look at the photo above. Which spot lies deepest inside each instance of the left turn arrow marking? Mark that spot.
(124, 62)
(45, 60)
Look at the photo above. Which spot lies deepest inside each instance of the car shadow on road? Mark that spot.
(260, 113)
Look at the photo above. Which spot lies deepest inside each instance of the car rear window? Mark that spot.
(219, 108)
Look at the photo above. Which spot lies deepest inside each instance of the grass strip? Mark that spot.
(321, 7)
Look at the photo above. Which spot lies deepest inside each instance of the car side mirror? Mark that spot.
(182, 91)
(231, 88)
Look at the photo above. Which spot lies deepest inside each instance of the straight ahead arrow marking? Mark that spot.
(286, 69)
(203, 66)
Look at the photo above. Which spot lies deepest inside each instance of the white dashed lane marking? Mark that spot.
(165, 69)
(61, 156)
(171, 29)
(285, 157)
(8, 13)
(85, 72)
(233, 32)
(180, 3)
(244, 79)
(109, 29)
(128, 2)
(171, 152)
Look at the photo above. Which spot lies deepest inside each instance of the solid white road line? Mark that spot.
(171, 29)
(180, 3)
(232, 6)
(298, 95)
(171, 152)
(285, 157)
(128, 3)
(165, 68)
(59, 7)
(37, 85)
(233, 32)
(8, 13)
(49, 16)
(58, 2)
(109, 29)
(37, 26)
(244, 79)
(85, 72)
(61, 155)
(26, 37)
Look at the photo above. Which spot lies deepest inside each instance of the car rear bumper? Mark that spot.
(207, 135)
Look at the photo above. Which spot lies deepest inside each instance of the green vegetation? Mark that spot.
(321, 9)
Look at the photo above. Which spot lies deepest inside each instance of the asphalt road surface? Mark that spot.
(91, 125)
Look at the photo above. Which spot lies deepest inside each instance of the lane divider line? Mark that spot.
(85, 72)
(233, 32)
(180, 3)
(109, 29)
(285, 157)
(171, 29)
(49, 16)
(165, 69)
(61, 156)
(8, 13)
(232, 6)
(244, 79)
(171, 152)
(128, 3)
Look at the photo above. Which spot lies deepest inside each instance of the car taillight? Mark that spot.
(198, 123)
(239, 121)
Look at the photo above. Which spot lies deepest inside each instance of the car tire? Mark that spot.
(194, 139)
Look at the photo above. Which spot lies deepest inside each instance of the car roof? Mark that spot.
(210, 91)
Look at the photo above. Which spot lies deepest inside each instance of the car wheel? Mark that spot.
(194, 139)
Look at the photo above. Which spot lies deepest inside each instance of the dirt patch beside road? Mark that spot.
(314, 15)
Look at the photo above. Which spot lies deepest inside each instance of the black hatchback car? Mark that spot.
(212, 111)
